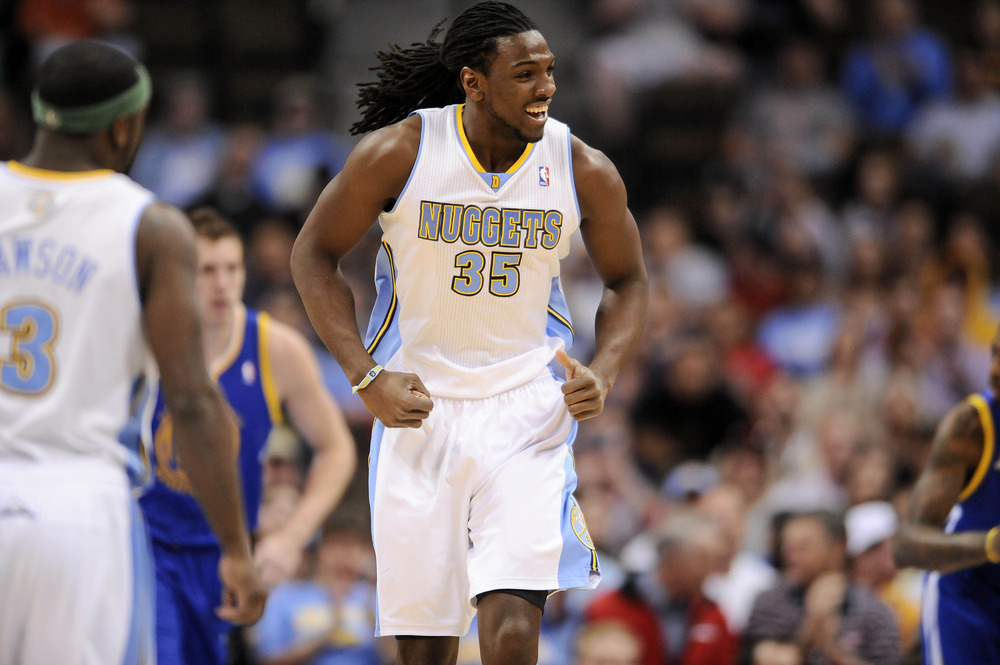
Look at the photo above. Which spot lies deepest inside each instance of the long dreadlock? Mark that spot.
(426, 73)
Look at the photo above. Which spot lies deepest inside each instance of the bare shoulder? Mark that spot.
(394, 146)
(163, 222)
(287, 346)
(164, 234)
(963, 421)
(597, 181)
(959, 438)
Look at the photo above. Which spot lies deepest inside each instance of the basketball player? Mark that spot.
(92, 269)
(951, 529)
(263, 367)
(471, 475)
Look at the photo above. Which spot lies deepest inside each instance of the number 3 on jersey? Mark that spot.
(505, 278)
(29, 366)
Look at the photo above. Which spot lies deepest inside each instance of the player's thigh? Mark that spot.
(206, 636)
(959, 627)
(419, 490)
(526, 529)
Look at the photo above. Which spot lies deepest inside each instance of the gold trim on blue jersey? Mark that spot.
(472, 155)
(392, 304)
(232, 352)
(266, 371)
(984, 462)
(47, 174)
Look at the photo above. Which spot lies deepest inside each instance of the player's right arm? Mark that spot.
(373, 176)
(955, 454)
(204, 431)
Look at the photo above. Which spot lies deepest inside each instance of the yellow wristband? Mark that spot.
(369, 377)
(991, 554)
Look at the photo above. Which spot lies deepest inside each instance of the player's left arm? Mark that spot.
(321, 423)
(612, 239)
(921, 541)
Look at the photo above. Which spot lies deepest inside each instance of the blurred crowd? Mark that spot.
(822, 292)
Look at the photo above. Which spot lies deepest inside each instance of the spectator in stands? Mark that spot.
(692, 630)
(800, 335)
(685, 410)
(328, 617)
(269, 253)
(959, 137)
(646, 44)
(746, 367)
(744, 574)
(873, 203)
(232, 192)
(695, 275)
(607, 643)
(181, 154)
(801, 120)
(984, 29)
(300, 155)
(952, 366)
(870, 529)
(49, 24)
(901, 67)
(847, 386)
(815, 607)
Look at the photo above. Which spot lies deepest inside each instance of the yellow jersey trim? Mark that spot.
(47, 174)
(472, 155)
(266, 372)
(392, 303)
(232, 352)
(562, 319)
(984, 462)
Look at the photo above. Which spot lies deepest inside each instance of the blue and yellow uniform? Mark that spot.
(961, 613)
(185, 550)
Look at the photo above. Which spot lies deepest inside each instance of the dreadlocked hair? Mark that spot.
(425, 74)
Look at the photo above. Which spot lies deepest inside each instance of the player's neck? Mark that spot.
(217, 337)
(57, 152)
(495, 153)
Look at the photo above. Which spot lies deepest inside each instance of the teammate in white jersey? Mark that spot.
(95, 274)
(471, 473)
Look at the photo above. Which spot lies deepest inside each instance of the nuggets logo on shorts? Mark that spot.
(580, 527)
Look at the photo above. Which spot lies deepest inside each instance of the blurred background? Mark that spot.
(817, 183)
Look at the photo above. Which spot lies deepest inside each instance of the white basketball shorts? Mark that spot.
(477, 499)
(76, 577)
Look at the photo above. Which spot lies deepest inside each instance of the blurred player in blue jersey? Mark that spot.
(952, 528)
(478, 192)
(264, 369)
(95, 275)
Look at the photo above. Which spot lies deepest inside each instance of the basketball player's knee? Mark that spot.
(514, 642)
(516, 631)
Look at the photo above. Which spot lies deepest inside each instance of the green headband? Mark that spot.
(94, 118)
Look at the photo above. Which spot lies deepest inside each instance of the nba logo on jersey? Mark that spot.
(543, 176)
(249, 373)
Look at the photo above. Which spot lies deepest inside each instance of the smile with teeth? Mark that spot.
(538, 111)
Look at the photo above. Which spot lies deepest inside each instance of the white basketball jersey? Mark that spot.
(469, 296)
(71, 342)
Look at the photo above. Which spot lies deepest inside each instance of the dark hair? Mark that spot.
(84, 73)
(211, 224)
(831, 521)
(426, 73)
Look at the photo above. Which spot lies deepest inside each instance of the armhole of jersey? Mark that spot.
(572, 176)
(266, 374)
(416, 162)
(136, 223)
(390, 310)
(984, 462)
